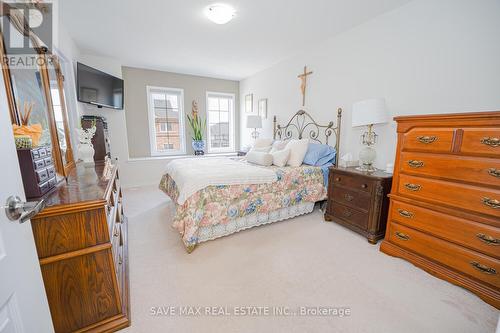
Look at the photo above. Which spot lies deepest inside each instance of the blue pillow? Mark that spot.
(319, 154)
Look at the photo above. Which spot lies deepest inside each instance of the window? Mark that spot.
(220, 121)
(166, 120)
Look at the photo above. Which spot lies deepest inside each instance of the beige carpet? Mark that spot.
(295, 263)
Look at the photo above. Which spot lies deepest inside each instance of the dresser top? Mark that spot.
(84, 186)
(452, 116)
(378, 174)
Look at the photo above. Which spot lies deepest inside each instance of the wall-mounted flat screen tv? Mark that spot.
(99, 88)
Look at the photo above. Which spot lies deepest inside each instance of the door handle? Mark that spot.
(16, 209)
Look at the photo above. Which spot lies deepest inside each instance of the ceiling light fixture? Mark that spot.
(220, 13)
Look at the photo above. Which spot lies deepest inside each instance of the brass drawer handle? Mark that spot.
(402, 236)
(492, 142)
(337, 179)
(347, 213)
(415, 164)
(364, 186)
(427, 139)
(348, 197)
(488, 239)
(413, 187)
(405, 213)
(483, 269)
(494, 172)
(491, 203)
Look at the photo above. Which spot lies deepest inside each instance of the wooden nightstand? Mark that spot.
(359, 201)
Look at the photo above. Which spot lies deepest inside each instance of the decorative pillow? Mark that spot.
(261, 149)
(260, 158)
(280, 157)
(263, 142)
(279, 145)
(298, 149)
(319, 154)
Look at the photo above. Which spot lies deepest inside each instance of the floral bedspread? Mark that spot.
(222, 203)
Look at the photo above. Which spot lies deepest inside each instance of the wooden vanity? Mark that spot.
(81, 240)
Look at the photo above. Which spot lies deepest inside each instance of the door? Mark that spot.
(23, 303)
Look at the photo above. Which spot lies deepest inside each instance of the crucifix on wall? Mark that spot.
(303, 84)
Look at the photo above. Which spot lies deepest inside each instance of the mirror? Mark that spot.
(56, 87)
(30, 102)
(36, 97)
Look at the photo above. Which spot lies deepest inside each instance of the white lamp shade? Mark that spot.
(254, 122)
(369, 112)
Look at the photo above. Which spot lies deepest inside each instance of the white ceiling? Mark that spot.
(174, 35)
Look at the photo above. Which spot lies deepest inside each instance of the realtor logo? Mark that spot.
(26, 26)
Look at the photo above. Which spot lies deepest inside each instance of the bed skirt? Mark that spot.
(207, 233)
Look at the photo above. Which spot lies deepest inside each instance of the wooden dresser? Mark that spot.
(358, 201)
(81, 240)
(444, 213)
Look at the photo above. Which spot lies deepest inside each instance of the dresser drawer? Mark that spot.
(350, 215)
(429, 139)
(477, 265)
(478, 199)
(351, 182)
(480, 237)
(471, 169)
(353, 199)
(481, 141)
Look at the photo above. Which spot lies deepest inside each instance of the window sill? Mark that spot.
(173, 157)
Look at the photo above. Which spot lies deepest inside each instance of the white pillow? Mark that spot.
(298, 150)
(261, 149)
(280, 157)
(263, 142)
(279, 145)
(259, 158)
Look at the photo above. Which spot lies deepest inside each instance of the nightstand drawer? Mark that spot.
(353, 199)
(352, 182)
(353, 216)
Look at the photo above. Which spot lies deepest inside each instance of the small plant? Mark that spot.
(196, 123)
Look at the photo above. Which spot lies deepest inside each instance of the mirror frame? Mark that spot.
(61, 167)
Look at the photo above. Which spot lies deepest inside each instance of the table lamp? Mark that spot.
(254, 122)
(368, 113)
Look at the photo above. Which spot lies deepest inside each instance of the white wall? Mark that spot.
(428, 56)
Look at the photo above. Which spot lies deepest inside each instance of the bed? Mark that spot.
(221, 209)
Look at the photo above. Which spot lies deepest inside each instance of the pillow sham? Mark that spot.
(261, 149)
(280, 157)
(279, 145)
(260, 158)
(263, 142)
(298, 149)
(319, 154)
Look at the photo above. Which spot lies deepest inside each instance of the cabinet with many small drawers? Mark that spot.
(37, 171)
(444, 213)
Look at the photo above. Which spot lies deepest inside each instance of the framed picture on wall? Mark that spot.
(249, 103)
(263, 108)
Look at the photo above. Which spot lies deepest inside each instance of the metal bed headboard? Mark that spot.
(301, 121)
